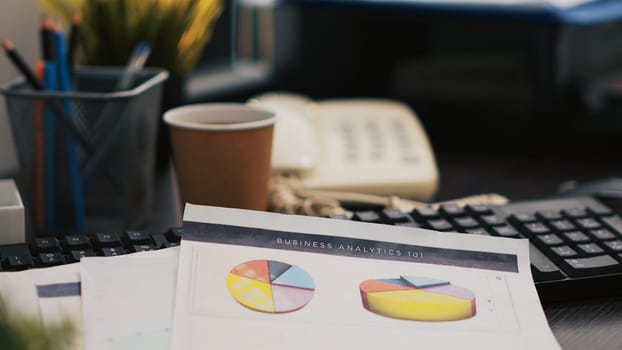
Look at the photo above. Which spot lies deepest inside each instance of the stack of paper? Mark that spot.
(244, 279)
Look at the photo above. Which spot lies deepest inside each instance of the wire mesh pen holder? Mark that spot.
(88, 153)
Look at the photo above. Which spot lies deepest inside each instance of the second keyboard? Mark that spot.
(575, 243)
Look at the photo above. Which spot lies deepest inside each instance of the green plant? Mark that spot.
(177, 30)
(18, 332)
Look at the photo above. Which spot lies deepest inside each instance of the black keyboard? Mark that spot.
(575, 243)
(54, 250)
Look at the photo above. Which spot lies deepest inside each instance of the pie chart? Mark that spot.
(418, 299)
(270, 286)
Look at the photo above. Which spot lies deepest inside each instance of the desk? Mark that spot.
(587, 324)
(580, 325)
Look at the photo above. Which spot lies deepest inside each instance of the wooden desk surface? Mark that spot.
(587, 324)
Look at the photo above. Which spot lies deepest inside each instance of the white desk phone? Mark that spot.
(366, 146)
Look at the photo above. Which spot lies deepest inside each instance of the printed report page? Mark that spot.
(272, 281)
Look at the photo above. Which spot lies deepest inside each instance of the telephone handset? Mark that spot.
(367, 146)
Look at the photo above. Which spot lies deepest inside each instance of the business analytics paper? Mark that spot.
(128, 300)
(262, 280)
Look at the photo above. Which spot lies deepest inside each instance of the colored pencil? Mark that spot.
(74, 33)
(47, 39)
(39, 181)
(73, 160)
(135, 63)
(19, 63)
(17, 60)
(40, 150)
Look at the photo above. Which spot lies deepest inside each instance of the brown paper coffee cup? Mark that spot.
(221, 154)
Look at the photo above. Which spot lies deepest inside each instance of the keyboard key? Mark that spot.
(550, 215)
(107, 240)
(47, 244)
(18, 262)
(588, 224)
(339, 216)
(615, 246)
(76, 255)
(550, 239)
(77, 242)
(542, 268)
(575, 213)
(614, 223)
(51, 259)
(143, 247)
(505, 231)
(563, 251)
(16, 256)
(592, 265)
(394, 216)
(492, 220)
(478, 209)
(523, 217)
(159, 240)
(479, 231)
(137, 237)
(537, 228)
(576, 236)
(590, 248)
(425, 213)
(367, 216)
(174, 234)
(600, 211)
(452, 210)
(466, 222)
(602, 234)
(562, 225)
(113, 251)
(440, 225)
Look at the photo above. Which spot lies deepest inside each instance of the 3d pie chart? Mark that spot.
(418, 299)
(270, 286)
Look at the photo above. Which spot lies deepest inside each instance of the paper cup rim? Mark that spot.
(198, 117)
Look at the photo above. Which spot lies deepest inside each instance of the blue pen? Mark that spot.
(136, 62)
(49, 127)
(73, 161)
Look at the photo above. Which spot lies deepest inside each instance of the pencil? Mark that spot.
(73, 160)
(135, 63)
(39, 183)
(74, 33)
(47, 39)
(17, 60)
(39, 146)
(19, 63)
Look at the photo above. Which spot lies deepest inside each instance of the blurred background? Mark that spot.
(514, 100)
